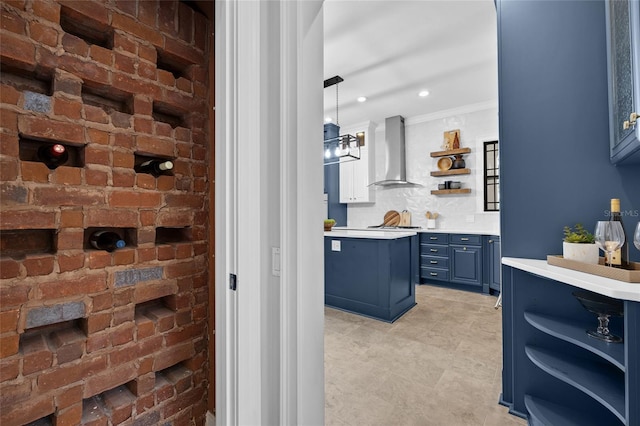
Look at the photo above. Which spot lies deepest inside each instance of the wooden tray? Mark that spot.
(626, 275)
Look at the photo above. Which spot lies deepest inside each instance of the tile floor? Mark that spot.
(440, 364)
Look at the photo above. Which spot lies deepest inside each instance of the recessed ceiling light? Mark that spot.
(423, 93)
(328, 120)
(362, 99)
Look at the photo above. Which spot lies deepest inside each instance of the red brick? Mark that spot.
(147, 12)
(65, 375)
(124, 256)
(17, 51)
(86, 12)
(122, 335)
(67, 175)
(184, 200)
(184, 251)
(201, 31)
(47, 10)
(14, 295)
(124, 140)
(142, 105)
(27, 219)
(96, 322)
(89, 71)
(96, 155)
(172, 356)
(184, 150)
(166, 78)
(93, 413)
(50, 129)
(124, 179)
(38, 265)
(123, 355)
(9, 369)
(97, 136)
(34, 172)
(123, 314)
(100, 217)
(124, 43)
(69, 416)
(70, 239)
(147, 70)
(68, 108)
(125, 23)
(66, 82)
(99, 259)
(96, 115)
(163, 129)
(185, 22)
(75, 45)
(102, 301)
(71, 218)
(66, 197)
(68, 344)
(70, 396)
(86, 284)
(163, 318)
(12, 22)
(163, 389)
(43, 34)
(167, 17)
(9, 320)
(146, 254)
(166, 252)
(124, 63)
(9, 95)
(97, 341)
(119, 402)
(148, 53)
(127, 6)
(200, 90)
(145, 181)
(109, 379)
(178, 301)
(143, 404)
(134, 199)
(96, 177)
(36, 408)
(154, 146)
(100, 54)
(143, 125)
(186, 333)
(144, 292)
(9, 268)
(9, 120)
(165, 183)
(120, 119)
(9, 344)
(183, 84)
(147, 217)
(122, 159)
(146, 235)
(200, 185)
(70, 262)
(123, 297)
(144, 327)
(145, 365)
(149, 346)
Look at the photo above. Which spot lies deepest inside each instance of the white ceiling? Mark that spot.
(390, 50)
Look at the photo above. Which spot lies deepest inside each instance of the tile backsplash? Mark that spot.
(424, 135)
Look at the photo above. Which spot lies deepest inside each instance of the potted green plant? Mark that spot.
(579, 245)
(328, 224)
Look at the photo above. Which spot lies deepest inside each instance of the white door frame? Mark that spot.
(268, 61)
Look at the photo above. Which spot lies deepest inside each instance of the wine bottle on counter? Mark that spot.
(53, 155)
(619, 257)
(154, 167)
(106, 240)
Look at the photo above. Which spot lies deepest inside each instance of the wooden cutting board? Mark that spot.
(405, 218)
(391, 218)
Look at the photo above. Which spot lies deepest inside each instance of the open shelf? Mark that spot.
(542, 412)
(575, 332)
(450, 191)
(451, 152)
(451, 172)
(601, 381)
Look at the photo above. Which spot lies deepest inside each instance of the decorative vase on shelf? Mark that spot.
(580, 252)
(458, 163)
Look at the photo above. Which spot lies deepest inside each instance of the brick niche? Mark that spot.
(87, 336)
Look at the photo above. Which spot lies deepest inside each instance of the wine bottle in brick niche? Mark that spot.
(54, 155)
(106, 240)
(154, 167)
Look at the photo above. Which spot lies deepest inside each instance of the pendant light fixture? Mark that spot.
(344, 147)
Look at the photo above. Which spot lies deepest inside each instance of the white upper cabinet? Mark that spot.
(355, 176)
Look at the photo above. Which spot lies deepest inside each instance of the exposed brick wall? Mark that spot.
(88, 336)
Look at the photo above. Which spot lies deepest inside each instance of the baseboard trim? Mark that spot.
(210, 419)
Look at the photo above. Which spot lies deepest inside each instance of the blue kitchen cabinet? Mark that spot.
(465, 254)
(492, 265)
(434, 256)
(623, 66)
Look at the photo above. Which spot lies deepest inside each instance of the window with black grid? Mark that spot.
(491, 177)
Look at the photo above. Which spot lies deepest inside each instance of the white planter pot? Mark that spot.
(580, 252)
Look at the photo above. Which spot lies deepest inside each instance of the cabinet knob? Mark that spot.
(433, 238)
(433, 262)
(626, 125)
(633, 117)
(433, 250)
(490, 241)
(433, 274)
(464, 248)
(464, 239)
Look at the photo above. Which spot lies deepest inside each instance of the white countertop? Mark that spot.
(370, 233)
(423, 230)
(597, 284)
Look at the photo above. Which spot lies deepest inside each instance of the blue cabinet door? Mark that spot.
(494, 264)
(466, 264)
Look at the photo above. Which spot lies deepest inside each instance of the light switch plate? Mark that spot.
(335, 245)
(275, 261)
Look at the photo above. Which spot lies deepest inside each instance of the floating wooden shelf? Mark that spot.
(451, 172)
(450, 191)
(451, 152)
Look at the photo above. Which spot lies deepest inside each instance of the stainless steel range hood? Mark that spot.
(395, 170)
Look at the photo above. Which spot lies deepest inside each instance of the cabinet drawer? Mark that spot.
(466, 239)
(434, 262)
(434, 274)
(434, 250)
(433, 238)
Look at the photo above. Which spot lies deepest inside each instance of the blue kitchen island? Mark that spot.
(371, 273)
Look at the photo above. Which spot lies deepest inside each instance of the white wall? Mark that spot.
(424, 134)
